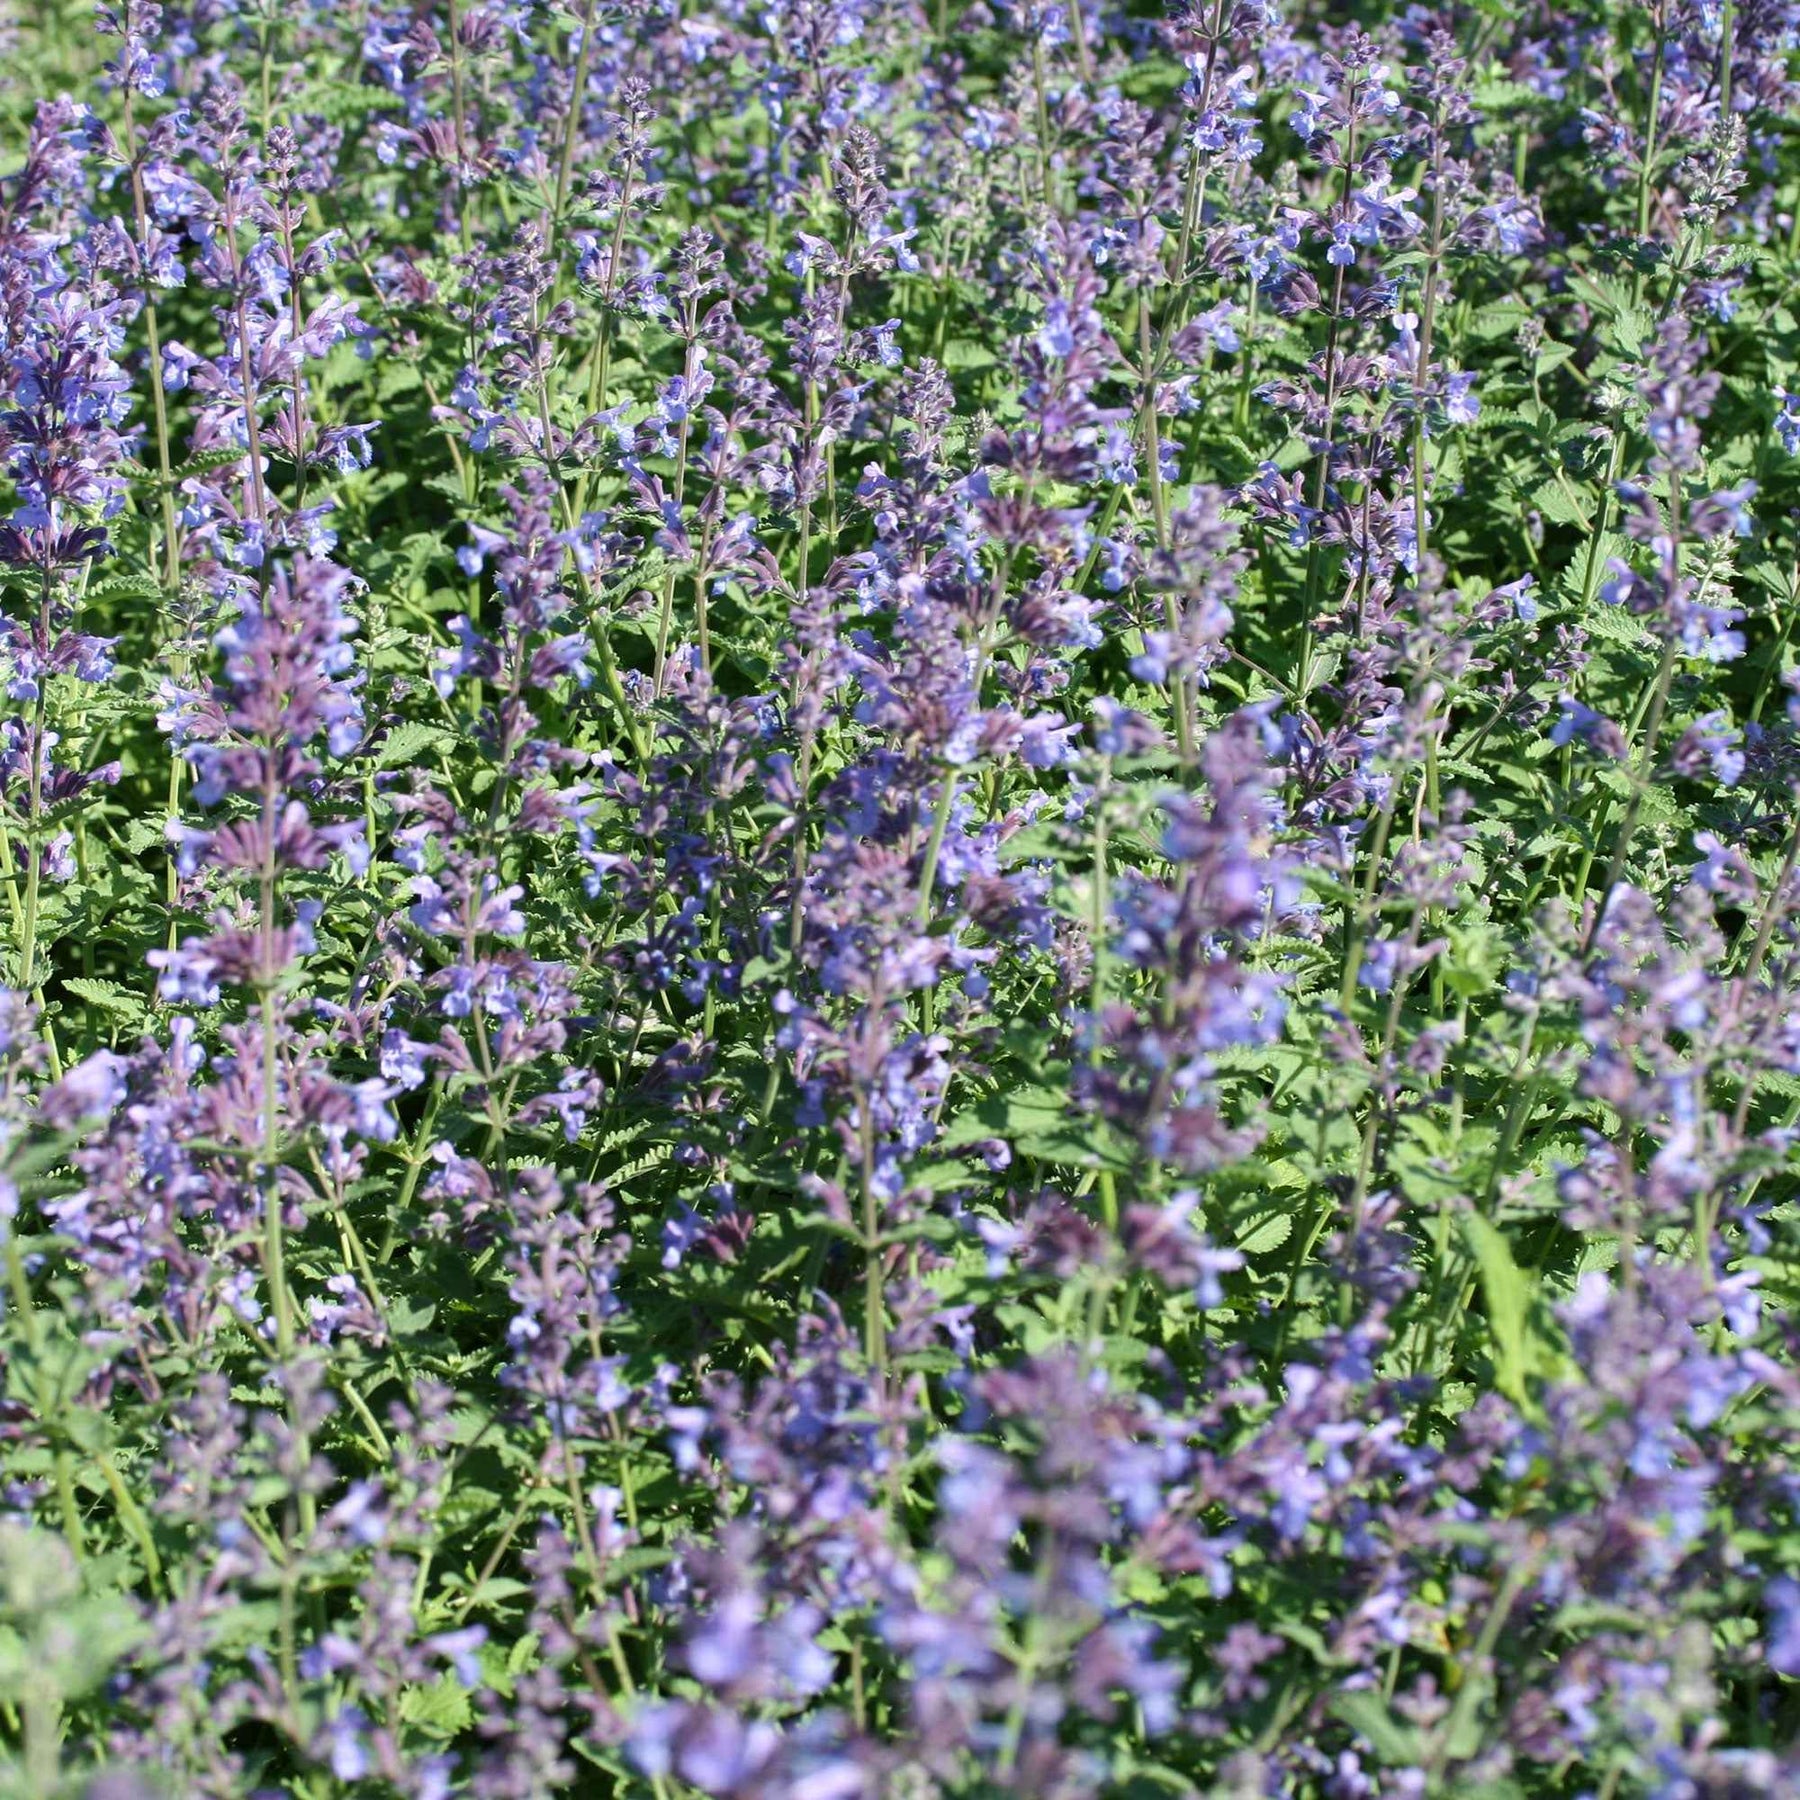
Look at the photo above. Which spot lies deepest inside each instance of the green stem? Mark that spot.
(577, 94)
(1097, 913)
(28, 931)
(1356, 923)
(1615, 868)
(1647, 168)
(874, 1300)
(1772, 666)
(1727, 22)
(1427, 325)
(1322, 468)
(1772, 910)
(1182, 694)
(1469, 1691)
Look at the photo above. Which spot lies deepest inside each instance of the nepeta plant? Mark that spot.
(899, 900)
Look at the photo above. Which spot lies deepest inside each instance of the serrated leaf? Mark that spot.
(1560, 505)
(204, 462)
(440, 1710)
(1267, 1233)
(1570, 583)
(407, 742)
(107, 995)
(125, 587)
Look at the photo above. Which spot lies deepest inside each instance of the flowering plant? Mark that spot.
(900, 899)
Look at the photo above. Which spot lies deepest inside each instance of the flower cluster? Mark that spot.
(899, 898)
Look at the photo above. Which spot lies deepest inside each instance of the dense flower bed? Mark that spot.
(899, 899)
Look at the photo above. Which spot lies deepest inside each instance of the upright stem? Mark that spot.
(274, 1236)
(1772, 910)
(1659, 700)
(1322, 469)
(1594, 564)
(946, 799)
(460, 129)
(577, 95)
(601, 365)
(1427, 323)
(169, 558)
(274, 1248)
(159, 406)
(874, 1302)
(1357, 923)
(1469, 1689)
(1097, 911)
(456, 90)
(1647, 167)
(1727, 20)
(1772, 666)
(1193, 193)
(1043, 121)
(1078, 27)
(681, 457)
(934, 847)
(246, 376)
(1182, 691)
(297, 389)
(28, 931)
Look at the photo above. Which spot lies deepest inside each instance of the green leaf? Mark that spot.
(964, 353)
(1569, 585)
(440, 1710)
(1508, 1294)
(1366, 1713)
(107, 995)
(1560, 505)
(205, 462)
(125, 587)
(1266, 1232)
(408, 1317)
(408, 742)
(1039, 1121)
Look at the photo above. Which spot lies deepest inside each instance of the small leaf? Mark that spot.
(205, 462)
(1265, 1233)
(125, 587)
